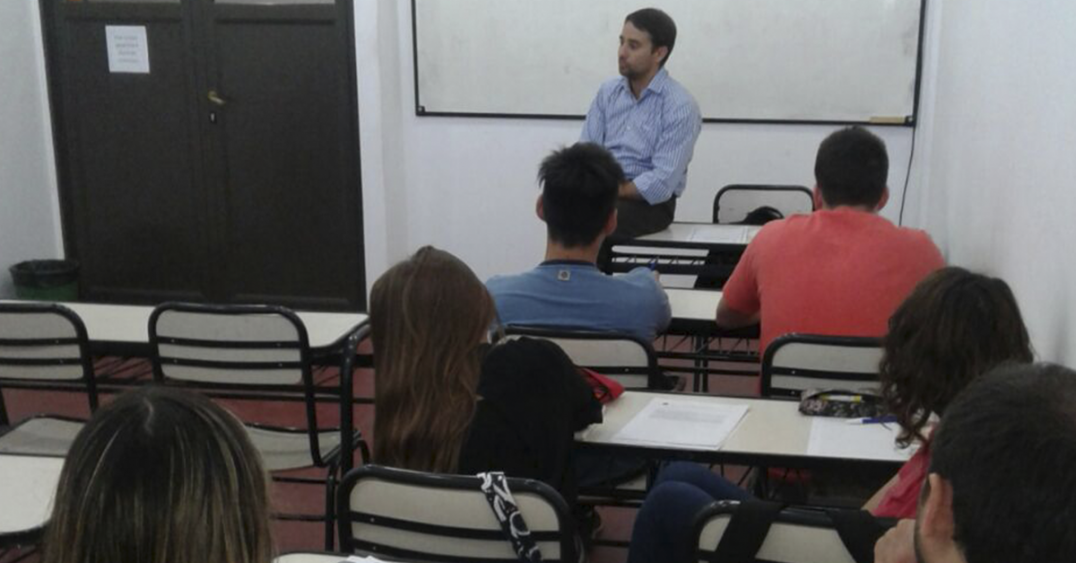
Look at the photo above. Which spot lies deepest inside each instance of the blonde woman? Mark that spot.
(447, 401)
(160, 476)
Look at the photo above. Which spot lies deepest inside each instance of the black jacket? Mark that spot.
(533, 400)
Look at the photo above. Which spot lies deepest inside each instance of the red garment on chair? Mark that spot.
(901, 500)
(606, 389)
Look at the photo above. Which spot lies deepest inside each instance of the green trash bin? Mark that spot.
(46, 280)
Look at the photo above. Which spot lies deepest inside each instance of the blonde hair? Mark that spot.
(160, 476)
(428, 315)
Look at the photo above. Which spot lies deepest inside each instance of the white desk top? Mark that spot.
(129, 324)
(693, 304)
(702, 234)
(770, 428)
(27, 485)
(311, 558)
(316, 557)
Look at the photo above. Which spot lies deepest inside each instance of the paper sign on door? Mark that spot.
(128, 49)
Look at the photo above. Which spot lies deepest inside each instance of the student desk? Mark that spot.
(322, 557)
(683, 249)
(693, 311)
(27, 486)
(701, 236)
(772, 434)
(693, 314)
(124, 329)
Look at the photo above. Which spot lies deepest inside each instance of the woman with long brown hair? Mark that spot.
(447, 401)
(160, 476)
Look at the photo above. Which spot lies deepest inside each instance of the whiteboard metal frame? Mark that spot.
(910, 121)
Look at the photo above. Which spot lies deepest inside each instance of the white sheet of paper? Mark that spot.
(128, 48)
(721, 235)
(835, 437)
(682, 424)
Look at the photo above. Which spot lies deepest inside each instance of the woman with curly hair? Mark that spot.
(954, 327)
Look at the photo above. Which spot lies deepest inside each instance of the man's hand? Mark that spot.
(730, 318)
(897, 545)
(629, 191)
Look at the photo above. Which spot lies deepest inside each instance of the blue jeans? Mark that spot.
(664, 529)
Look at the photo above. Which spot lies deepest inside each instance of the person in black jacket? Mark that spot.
(447, 401)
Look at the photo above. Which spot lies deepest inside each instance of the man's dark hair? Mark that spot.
(660, 27)
(579, 191)
(851, 168)
(1007, 445)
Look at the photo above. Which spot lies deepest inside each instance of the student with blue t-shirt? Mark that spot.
(578, 205)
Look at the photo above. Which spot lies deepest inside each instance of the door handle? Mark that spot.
(215, 99)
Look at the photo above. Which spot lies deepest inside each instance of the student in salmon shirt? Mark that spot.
(841, 270)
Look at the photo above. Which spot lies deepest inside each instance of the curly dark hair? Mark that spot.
(954, 327)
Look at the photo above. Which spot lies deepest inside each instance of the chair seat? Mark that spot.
(285, 449)
(42, 435)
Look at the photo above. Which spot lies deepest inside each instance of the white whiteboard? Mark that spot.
(743, 60)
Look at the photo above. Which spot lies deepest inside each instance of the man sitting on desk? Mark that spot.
(649, 122)
(578, 205)
(841, 270)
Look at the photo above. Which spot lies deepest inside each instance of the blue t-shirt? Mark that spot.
(571, 294)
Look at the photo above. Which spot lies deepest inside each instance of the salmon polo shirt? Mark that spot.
(834, 271)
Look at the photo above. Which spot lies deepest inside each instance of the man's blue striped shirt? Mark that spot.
(653, 138)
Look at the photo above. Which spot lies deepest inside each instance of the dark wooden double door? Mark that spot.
(230, 171)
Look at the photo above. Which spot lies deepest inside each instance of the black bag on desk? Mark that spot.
(841, 403)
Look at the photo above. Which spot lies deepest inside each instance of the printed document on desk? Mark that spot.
(835, 437)
(721, 235)
(679, 423)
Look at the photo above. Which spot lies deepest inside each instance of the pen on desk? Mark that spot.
(873, 420)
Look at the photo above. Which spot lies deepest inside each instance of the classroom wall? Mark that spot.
(1002, 156)
(29, 206)
(468, 184)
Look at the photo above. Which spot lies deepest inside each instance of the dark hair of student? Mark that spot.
(852, 168)
(955, 326)
(1008, 447)
(429, 315)
(657, 24)
(160, 476)
(579, 191)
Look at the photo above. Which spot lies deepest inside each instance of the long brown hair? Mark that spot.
(160, 476)
(428, 315)
(954, 327)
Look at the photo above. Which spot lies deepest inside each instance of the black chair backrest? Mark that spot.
(733, 203)
(416, 516)
(793, 363)
(796, 535)
(248, 348)
(44, 343)
(623, 357)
